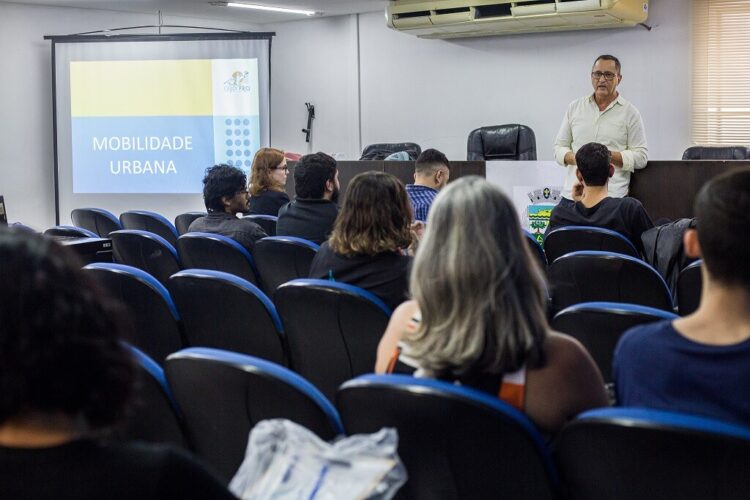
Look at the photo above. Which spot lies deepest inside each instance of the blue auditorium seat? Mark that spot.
(150, 221)
(223, 395)
(154, 416)
(70, 231)
(156, 323)
(637, 453)
(182, 222)
(536, 249)
(332, 330)
(224, 311)
(594, 276)
(283, 258)
(219, 253)
(95, 220)
(146, 251)
(455, 441)
(689, 287)
(266, 222)
(599, 325)
(563, 240)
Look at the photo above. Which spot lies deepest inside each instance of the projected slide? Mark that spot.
(154, 126)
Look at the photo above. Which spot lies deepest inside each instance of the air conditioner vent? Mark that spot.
(454, 10)
(496, 10)
(416, 13)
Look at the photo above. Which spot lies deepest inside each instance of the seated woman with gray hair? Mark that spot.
(477, 314)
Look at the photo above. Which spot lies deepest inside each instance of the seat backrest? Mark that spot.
(150, 221)
(223, 395)
(502, 142)
(568, 239)
(283, 258)
(216, 252)
(266, 222)
(456, 442)
(156, 323)
(382, 150)
(153, 416)
(147, 251)
(599, 325)
(96, 220)
(716, 153)
(593, 276)
(332, 330)
(182, 222)
(70, 231)
(689, 287)
(639, 453)
(536, 249)
(224, 311)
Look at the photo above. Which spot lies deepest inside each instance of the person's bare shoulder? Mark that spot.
(393, 333)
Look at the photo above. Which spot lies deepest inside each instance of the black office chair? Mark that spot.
(456, 442)
(536, 249)
(216, 252)
(153, 416)
(146, 251)
(223, 395)
(150, 221)
(332, 330)
(716, 153)
(630, 453)
(568, 239)
(283, 258)
(502, 142)
(593, 276)
(383, 150)
(224, 311)
(70, 232)
(266, 222)
(689, 287)
(182, 222)
(156, 324)
(96, 220)
(599, 325)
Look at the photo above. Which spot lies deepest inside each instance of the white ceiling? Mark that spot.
(204, 10)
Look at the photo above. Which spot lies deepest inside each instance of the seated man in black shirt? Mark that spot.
(593, 206)
(225, 195)
(312, 213)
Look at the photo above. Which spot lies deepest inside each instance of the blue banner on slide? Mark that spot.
(152, 154)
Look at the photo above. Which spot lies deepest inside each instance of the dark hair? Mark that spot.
(608, 57)
(60, 348)
(221, 180)
(375, 217)
(722, 209)
(430, 159)
(593, 161)
(311, 173)
(265, 160)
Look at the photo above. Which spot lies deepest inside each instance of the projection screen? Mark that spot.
(139, 118)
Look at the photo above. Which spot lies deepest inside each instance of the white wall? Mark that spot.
(434, 92)
(26, 143)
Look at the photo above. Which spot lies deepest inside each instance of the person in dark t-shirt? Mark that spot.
(312, 213)
(593, 206)
(66, 377)
(700, 363)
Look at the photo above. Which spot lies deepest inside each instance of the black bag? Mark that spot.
(662, 248)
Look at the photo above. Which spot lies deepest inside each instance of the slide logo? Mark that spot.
(239, 82)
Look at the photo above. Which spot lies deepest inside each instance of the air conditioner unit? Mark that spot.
(471, 18)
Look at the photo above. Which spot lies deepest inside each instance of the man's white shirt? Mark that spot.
(619, 127)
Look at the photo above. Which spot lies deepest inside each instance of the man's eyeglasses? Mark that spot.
(609, 76)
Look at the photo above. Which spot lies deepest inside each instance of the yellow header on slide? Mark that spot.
(141, 88)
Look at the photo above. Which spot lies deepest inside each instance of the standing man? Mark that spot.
(431, 173)
(603, 117)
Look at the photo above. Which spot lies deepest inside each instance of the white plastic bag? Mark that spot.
(286, 461)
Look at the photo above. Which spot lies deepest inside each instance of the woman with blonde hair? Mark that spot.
(367, 247)
(268, 178)
(477, 317)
